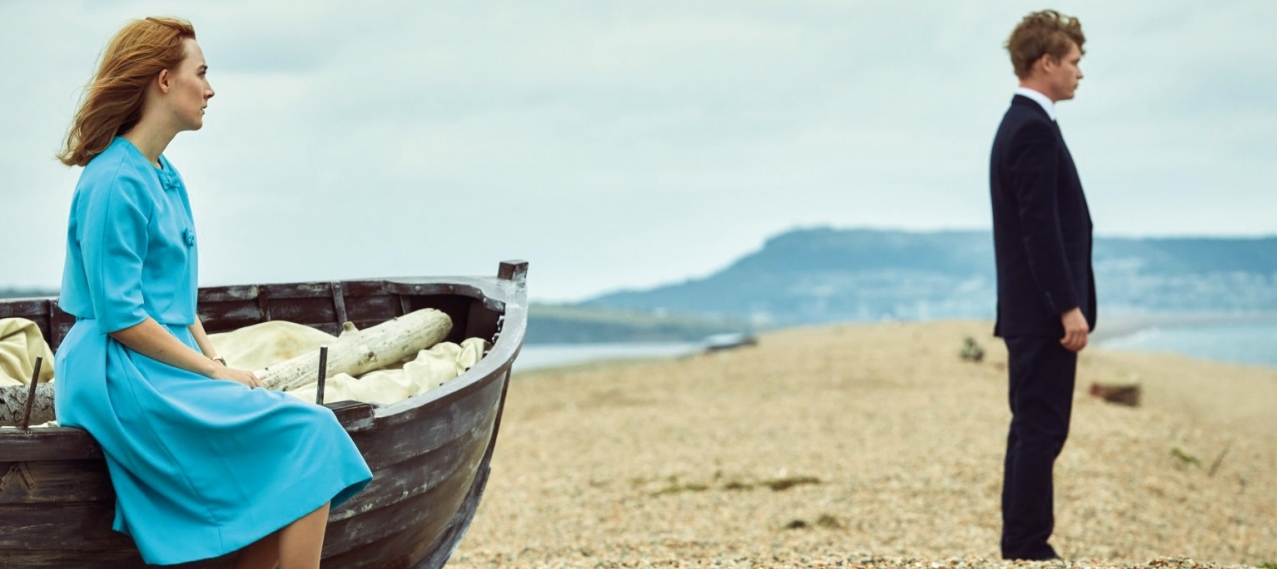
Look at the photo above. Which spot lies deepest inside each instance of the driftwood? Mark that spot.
(1122, 394)
(13, 402)
(355, 352)
(361, 351)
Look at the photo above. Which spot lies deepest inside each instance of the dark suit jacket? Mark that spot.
(1041, 226)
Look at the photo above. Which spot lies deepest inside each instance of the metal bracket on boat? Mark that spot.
(339, 302)
(323, 375)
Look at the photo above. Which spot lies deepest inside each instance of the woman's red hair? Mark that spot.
(113, 101)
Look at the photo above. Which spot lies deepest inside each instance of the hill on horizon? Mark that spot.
(822, 275)
(817, 275)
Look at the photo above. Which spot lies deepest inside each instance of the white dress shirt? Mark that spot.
(1039, 98)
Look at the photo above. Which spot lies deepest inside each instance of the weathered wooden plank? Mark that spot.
(224, 562)
(382, 446)
(414, 476)
(402, 549)
(430, 511)
(53, 482)
(118, 558)
(463, 286)
(78, 526)
(229, 315)
(298, 290)
(353, 415)
(380, 307)
(29, 308)
(56, 443)
(440, 551)
(228, 293)
(365, 288)
(317, 310)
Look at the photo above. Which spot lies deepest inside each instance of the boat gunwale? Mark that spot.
(505, 296)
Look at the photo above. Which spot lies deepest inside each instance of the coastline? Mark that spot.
(1122, 325)
(1120, 332)
(541, 357)
(1224, 338)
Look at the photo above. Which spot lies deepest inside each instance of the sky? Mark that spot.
(630, 144)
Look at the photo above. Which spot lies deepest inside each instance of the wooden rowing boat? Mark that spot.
(429, 454)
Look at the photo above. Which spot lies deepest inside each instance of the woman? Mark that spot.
(203, 464)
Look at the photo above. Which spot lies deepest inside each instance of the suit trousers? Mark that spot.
(1042, 375)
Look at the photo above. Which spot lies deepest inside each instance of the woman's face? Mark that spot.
(189, 90)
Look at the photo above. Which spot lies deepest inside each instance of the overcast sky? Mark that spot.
(628, 144)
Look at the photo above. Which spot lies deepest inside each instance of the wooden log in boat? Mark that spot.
(359, 351)
(13, 405)
(429, 454)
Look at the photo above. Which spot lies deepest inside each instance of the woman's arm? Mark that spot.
(153, 341)
(201, 339)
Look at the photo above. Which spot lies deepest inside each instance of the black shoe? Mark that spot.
(1047, 554)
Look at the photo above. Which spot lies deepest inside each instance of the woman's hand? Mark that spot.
(237, 375)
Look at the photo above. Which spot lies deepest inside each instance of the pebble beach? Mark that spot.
(870, 446)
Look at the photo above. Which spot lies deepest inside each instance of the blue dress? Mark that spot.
(201, 467)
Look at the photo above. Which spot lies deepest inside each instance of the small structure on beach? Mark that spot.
(971, 350)
(1121, 393)
(729, 341)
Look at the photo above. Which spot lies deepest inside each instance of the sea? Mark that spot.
(1250, 343)
(541, 356)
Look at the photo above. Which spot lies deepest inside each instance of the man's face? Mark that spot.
(1062, 75)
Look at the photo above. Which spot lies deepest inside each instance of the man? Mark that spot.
(1046, 292)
